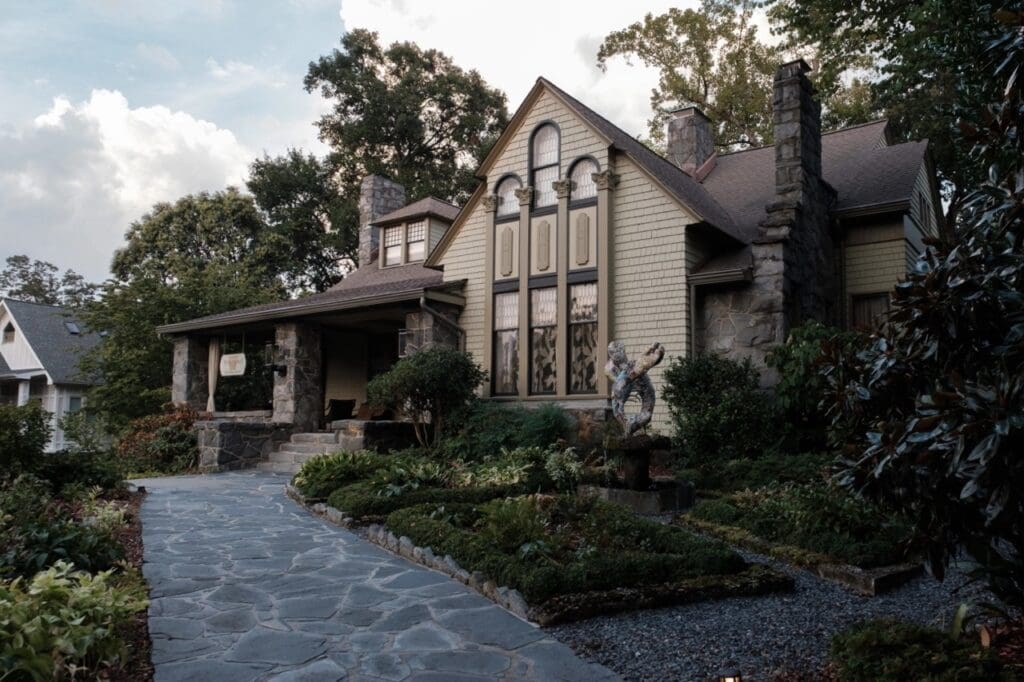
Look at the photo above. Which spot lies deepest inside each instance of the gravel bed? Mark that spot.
(757, 636)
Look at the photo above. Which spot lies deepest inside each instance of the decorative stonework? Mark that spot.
(490, 203)
(230, 444)
(298, 395)
(630, 377)
(189, 378)
(606, 180)
(525, 196)
(377, 196)
(563, 188)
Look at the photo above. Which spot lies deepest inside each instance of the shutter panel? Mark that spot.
(543, 245)
(583, 239)
(506, 251)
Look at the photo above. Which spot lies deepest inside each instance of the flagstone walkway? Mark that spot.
(247, 585)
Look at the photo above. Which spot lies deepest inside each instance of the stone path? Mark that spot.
(246, 585)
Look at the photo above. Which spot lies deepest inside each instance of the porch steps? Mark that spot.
(290, 456)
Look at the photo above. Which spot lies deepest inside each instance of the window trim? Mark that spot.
(533, 169)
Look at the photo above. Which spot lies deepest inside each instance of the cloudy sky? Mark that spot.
(108, 106)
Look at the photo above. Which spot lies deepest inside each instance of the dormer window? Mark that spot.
(416, 241)
(544, 165)
(508, 203)
(392, 240)
(9, 333)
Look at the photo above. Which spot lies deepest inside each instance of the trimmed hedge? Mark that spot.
(815, 518)
(585, 546)
(743, 474)
(359, 500)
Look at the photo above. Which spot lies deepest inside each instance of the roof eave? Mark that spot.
(873, 208)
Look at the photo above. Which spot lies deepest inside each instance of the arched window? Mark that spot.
(508, 203)
(583, 185)
(544, 169)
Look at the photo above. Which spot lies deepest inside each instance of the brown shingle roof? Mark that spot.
(428, 206)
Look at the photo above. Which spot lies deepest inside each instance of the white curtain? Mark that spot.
(212, 372)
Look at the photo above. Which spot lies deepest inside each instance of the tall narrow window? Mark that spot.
(544, 171)
(543, 339)
(9, 333)
(506, 344)
(415, 241)
(583, 338)
(393, 245)
(508, 203)
(583, 185)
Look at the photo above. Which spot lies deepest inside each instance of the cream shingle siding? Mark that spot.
(464, 259)
(876, 259)
(649, 287)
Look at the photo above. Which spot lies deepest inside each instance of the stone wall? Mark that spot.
(229, 444)
(377, 196)
(298, 395)
(189, 380)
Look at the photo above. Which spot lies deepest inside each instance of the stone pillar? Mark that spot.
(298, 395)
(691, 141)
(377, 196)
(606, 181)
(189, 377)
(432, 331)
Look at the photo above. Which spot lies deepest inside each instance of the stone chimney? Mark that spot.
(378, 196)
(691, 142)
(796, 116)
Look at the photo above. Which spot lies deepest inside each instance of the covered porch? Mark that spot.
(305, 365)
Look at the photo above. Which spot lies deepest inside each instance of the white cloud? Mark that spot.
(159, 55)
(240, 75)
(73, 179)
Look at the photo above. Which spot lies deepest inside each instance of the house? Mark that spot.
(40, 347)
(578, 235)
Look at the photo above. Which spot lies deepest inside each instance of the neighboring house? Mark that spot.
(40, 347)
(578, 235)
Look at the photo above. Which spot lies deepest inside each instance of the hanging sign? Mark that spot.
(232, 365)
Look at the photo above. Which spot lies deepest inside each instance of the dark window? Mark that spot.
(543, 339)
(544, 168)
(869, 311)
(9, 333)
(583, 338)
(506, 344)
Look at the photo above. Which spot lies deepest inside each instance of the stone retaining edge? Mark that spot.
(505, 597)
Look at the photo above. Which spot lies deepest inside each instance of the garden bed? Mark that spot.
(835, 536)
(568, 558)
(135, 633)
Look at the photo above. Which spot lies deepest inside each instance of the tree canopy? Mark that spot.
(203, 254)
(38, 281)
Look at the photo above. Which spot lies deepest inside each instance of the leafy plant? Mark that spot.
(163, 442)
(24, 432)
(405, 476)
(774, 467)
(892, 651)
(63, 623)
(564, 468)
(511, 524)
(82, 469)
(429, 387)
(718, 410)
(482, 430)
(320, 476)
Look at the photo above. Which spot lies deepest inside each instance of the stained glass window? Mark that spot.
(583, 185)
(583, 338)
(393, 245)
(416, 235)
(544, 171)
(506, 344)
(508, 203)
(543, 339)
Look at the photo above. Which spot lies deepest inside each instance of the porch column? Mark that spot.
(606, 182)
(563, 189)
(24, 390)
(298, 395)
(189, 378)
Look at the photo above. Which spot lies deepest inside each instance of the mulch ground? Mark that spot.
(138, 667)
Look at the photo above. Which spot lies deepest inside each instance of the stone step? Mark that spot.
(308, 448)
(278, 468)
(292, 457)
(325, 438)
(349, 427)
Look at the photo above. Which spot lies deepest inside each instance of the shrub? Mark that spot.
(64, 621)
(563, 468)
(82, 469)
(360, 500)
(718, 411)
(429, 387)
(892, 651)
(322, 475)
(407, 475)
(24, 433)
(163, 442)
(802, 391)
(773, 467)
(483, 430)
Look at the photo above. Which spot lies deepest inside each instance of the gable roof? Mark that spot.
(428, 206)
(45, 331)
(855, 161)
(366, 286)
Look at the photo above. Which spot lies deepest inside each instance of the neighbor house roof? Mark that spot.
(429, 206)
(366, 286)
(48, 331)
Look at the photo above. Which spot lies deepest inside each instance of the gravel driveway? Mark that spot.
(246, 585)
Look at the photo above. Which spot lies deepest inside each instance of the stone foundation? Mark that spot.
(229, 444)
